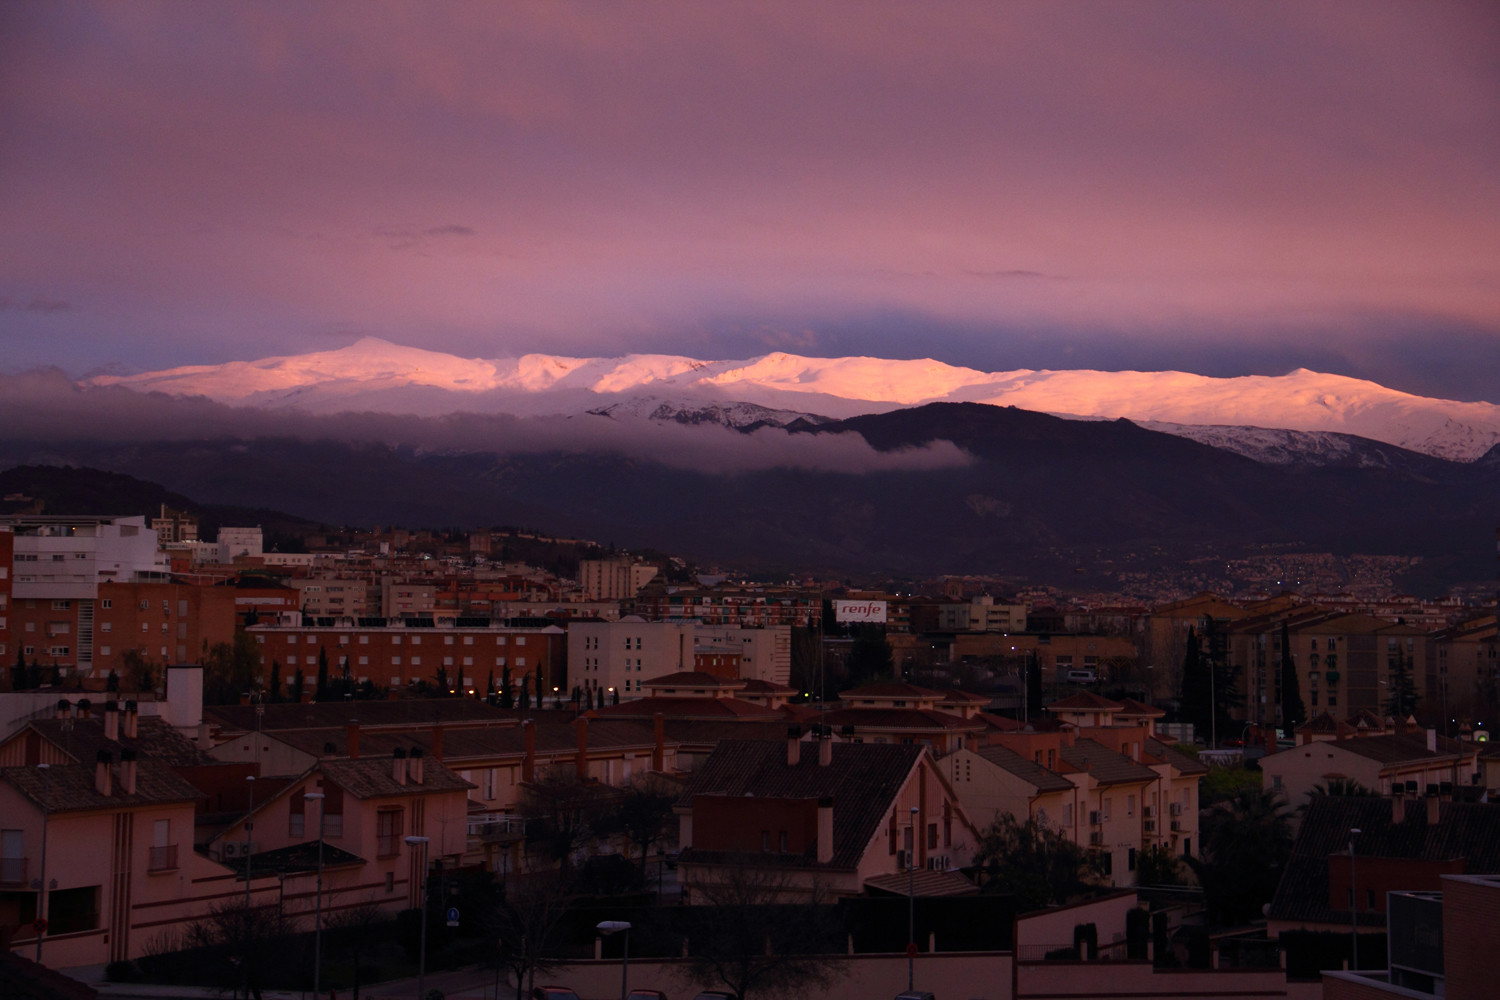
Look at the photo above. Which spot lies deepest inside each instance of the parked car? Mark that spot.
(646, 995)
(715, 995)
(1081, 677)
(553, 993)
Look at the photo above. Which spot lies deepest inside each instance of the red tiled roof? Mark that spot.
(894, 689)
(687, 708)
(692, 678)
(1084, 701)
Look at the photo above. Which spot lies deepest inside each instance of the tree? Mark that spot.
(525, 702)
(524, 924)
(1157, 864)
(1246, 842)
(298, 683)
(1039, 866)
(563, 814)
(350, 934)
(1403, 700)
(1196, 708)
(1034, 707)
(140, 672)
(275, 680)
(507, 696)
(742, 940)
(229, 670)
(1293, 712)
(870, 657)
(644, 814)
(323, 692)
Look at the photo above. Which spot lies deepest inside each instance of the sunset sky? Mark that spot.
(1219, 187)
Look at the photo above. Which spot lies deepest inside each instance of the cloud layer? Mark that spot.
(42, 408)
(1254, 186)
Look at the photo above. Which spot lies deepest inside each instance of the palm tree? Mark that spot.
(1246, 842)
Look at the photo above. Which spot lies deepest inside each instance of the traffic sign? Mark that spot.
(452, 916)
(39, 925)
(911, 951)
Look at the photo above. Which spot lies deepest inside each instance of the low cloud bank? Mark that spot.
(47, 407)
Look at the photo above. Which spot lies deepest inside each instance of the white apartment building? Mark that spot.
(613, 579)
(66, 558)
(982, 614)
(238, 543)
(765, 652)
(331, 596)
(620, 655)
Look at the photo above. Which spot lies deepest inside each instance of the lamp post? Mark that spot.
(1353, 905)
(41, 886)
(911, 904)
(318, 911)
(608, 927)
(422, 954)
(249, 826)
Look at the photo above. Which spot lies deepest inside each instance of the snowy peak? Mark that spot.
(379, 376)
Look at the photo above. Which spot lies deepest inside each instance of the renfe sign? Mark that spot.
(859, 611)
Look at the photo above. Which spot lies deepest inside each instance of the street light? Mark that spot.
(1353, 904)
(318, 913)
(911, 904)
(608, 927)
(41, 888)
(249, 826)
(422, 959)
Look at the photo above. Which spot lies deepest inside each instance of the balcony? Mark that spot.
(12, 871)
(163, 859)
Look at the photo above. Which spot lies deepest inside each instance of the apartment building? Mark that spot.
(613, 579)
(397, 652)
(621, 656)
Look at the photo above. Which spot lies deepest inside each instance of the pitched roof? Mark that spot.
(1185, 763)
(1084, 701)
(687, 708)
(1129, 707)
(472, 741)
(294, 858)
(915, 719)
(692, 678)
(373, 778)
(155, 738)
(754, 685)
(923, 884)
(862, 779)
(410, 712)
(70, 787)
(894, 689)
(1106, 766)
(1468, 830)
(1027, 770)
(1396, 748)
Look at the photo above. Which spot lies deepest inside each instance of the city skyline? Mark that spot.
(1219, 188)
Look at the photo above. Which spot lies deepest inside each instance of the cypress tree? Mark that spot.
(275, 681)
(322, 693)
(1293, 712)
(1195, 697)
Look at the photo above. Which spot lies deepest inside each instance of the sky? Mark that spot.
(1225, 188)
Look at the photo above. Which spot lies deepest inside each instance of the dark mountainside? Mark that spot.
(1047, 498)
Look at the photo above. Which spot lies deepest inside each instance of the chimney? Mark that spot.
(825, 747)
(351, 739)
(1432, 741)
(102, 778)
(528, 762)
(85, 708)
(1398, 809)
(398, 765)
(112, 720)
(437, 742)
(127, 771)
(793, 745)
(659, 738)
(414, 765)
(825, 830)
(205, 742)
(582, 725)
(132, 719)
(63, 706)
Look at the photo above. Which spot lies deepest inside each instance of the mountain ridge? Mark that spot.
(377, 376)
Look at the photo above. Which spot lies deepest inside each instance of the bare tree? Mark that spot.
(352, 929)
(744, 940)
(524, 922)
(564, 814)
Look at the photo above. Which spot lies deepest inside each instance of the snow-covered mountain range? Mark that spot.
(1273, 418)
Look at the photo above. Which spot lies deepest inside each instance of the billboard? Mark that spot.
(859, 611)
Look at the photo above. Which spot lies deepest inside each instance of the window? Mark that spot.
(103, 650)
(387, 832)
(783, 842)
(61, 605)
(1130, 805)
(163, 851)
(931, 836)
(765, 840)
